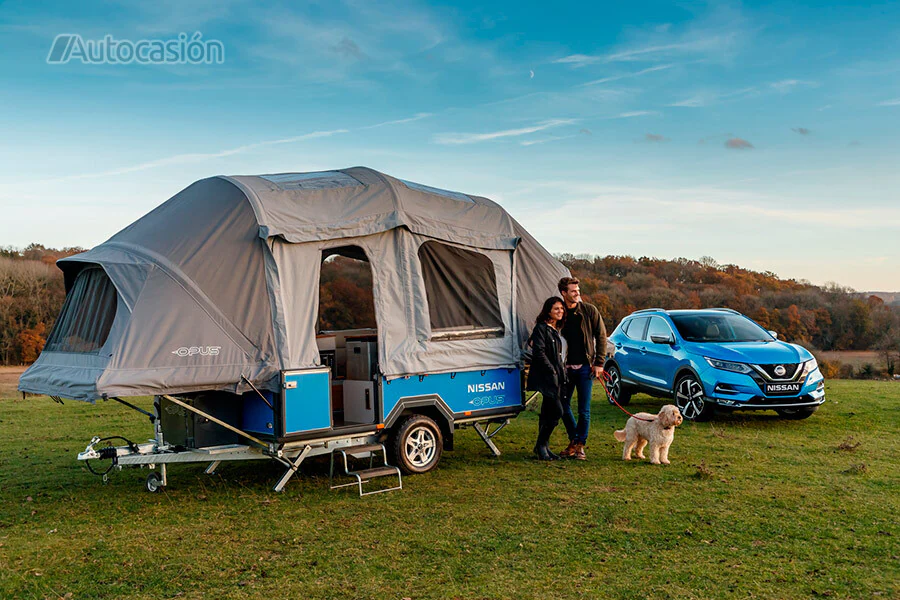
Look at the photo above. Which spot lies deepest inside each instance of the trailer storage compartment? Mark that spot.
(182, 427)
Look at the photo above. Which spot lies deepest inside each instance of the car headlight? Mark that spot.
(726, 365)
(810, 366)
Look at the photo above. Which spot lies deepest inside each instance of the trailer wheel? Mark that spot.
(154, 482)
(417, 444)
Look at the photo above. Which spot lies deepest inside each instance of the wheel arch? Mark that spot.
(431, 406)
(683, 370)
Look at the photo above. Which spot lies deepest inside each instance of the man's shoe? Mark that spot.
(579, 452)
(553, 455)
(569, 452)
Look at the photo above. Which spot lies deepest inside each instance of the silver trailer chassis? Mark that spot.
(157, 452)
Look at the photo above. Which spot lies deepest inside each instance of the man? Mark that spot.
(585, 335)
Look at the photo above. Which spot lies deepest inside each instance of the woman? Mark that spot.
(548, 372)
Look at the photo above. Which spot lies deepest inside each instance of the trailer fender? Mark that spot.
(431, 405)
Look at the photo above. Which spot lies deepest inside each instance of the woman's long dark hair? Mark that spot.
(549, 303)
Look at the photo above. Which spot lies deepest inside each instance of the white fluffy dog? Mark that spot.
(657, 430)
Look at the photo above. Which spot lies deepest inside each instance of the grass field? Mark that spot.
(857, 358)
(751, 507)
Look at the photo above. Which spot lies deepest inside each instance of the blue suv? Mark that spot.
(711, 358)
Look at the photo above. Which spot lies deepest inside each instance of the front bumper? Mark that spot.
(743, 391)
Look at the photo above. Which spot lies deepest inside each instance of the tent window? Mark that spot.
(87, 314)
(321, 180)
(461, 289)
(437, 191)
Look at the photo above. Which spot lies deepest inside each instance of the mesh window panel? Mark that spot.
(461, 288)
(87, 314)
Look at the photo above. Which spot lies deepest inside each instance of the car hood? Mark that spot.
(760, 353)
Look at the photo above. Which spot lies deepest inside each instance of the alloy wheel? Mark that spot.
(613, 385)
(420, 446)
(689, 398)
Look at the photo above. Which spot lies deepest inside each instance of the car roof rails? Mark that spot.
(649, 310)
(723, 309)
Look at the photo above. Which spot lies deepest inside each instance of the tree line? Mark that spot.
(829, 317)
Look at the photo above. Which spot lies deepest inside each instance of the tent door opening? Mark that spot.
(348, 338)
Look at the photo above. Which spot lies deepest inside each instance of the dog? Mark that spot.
(657, 430)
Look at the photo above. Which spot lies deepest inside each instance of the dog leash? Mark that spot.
(613, 398)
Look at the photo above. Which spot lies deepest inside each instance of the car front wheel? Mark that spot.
(690, 400)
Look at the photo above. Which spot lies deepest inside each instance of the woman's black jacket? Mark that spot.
(547, 373)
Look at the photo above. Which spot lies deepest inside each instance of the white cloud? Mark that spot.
(894, 102)
(417, 117)
(629, 75)
(545, 140)
(635, 113)
(786, 85)
(694, 102)
(471, 138)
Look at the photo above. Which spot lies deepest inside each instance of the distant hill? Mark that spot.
(892, 298)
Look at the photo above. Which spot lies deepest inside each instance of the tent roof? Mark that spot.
(304, 207)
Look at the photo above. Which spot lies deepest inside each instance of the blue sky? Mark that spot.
(761, 134)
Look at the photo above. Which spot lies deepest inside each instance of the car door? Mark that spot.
(659, 359)
(628, 350)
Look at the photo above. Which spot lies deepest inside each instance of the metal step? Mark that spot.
(354, 450)
(367, 474)
(362, 476)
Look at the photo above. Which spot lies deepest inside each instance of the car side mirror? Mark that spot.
(774, 334)
(663, 339)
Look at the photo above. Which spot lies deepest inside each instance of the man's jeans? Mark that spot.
(579, 379)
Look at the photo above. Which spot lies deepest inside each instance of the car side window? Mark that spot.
(658, 326)
(637, 328)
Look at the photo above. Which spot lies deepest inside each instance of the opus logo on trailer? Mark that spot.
(197, 351)
(182, 50)
(487, 400)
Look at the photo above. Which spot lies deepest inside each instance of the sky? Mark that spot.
(759, 134)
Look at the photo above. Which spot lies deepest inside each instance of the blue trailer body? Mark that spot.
(304, 406)
(462, 392)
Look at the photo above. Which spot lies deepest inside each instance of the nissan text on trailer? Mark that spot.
(209, 304)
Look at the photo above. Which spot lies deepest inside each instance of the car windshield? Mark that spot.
(719, 328)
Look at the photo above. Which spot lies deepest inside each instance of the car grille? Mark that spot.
(790, 371)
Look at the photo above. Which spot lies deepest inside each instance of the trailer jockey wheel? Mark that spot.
(417, 444)
(154, 482)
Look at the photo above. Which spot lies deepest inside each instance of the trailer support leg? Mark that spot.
(292, 468)
(212, 467)
(486, 436)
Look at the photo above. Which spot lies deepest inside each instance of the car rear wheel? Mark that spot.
(796, 414)
(615, 388)
(690, 400)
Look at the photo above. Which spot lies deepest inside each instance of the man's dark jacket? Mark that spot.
(547, 373)
(594, 331)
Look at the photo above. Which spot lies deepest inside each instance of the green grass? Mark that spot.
(751, 507)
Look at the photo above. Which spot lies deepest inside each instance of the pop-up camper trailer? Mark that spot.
(209, 303)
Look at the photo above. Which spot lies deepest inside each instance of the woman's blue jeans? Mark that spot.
(578, 379)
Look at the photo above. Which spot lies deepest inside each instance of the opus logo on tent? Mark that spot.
(182, 50)
(197, 351)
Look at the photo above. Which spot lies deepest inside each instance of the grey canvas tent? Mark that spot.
(221, 282)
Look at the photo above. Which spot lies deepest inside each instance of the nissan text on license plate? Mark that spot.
(782, 389)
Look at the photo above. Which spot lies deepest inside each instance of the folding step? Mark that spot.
(365, 475)
(354, 450)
